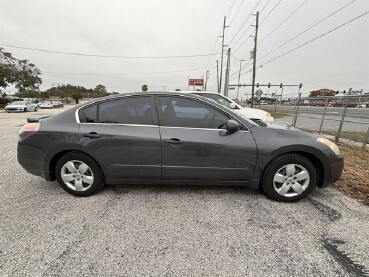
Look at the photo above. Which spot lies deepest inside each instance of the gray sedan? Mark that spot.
(174, 138)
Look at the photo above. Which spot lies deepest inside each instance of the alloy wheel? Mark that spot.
(77, 175)
(291, 180)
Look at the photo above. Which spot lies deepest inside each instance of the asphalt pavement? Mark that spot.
(142, 230)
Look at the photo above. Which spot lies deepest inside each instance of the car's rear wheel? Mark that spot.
(25, 110)
(35, 109)
(79, 174)
(289, 178)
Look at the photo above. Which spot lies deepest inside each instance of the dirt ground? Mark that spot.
(355, 177)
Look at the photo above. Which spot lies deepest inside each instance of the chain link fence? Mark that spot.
(343, 119)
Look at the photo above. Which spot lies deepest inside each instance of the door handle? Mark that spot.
(92, 135)
(174, 142)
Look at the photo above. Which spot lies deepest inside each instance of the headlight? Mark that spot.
(330, 144)
(268, 114)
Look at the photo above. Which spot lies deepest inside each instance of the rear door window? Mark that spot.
(133, 110)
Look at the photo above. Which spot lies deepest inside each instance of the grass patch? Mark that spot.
(354, 136)
(278, 114)
(354, 180)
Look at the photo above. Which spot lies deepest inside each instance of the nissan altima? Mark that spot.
(174, 138)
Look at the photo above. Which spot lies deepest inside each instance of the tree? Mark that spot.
(76, 95)
(100, 89)
(144, 88)
(322, 92)
(21, 73)
(7, 68)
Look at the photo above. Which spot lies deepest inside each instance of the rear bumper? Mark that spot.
(31, 159)
(333, 170)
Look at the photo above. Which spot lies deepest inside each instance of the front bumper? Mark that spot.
(333, 170)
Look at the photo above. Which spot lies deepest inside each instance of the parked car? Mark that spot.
(57, 104)
(363, 106)
(254, 114)
(160, 138)
(45, 105)
(21, 106)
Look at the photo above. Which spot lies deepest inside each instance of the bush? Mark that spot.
(4, 101)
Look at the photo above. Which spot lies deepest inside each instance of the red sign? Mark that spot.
(195, 82)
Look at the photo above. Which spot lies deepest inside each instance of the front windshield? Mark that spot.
(18, 103)
(219, 99)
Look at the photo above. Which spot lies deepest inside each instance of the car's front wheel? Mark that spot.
(289, 177)
(79, 174)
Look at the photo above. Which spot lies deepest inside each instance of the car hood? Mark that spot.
(255, 114)
(284, 128)
(15, 106)
(252, 113)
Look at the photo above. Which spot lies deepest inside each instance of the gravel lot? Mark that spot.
(171, 230)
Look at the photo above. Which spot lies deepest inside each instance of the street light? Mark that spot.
(239, 76)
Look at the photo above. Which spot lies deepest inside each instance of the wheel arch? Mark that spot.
(313, 158)
(57, 156)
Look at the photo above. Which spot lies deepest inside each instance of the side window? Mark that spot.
(88, 115)
(133, 110)
(219, 99)
(182, 112)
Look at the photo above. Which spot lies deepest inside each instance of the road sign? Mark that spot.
(195, 82)
(258, 93)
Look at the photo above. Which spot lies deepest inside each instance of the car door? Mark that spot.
(196, 146)
(123, 135)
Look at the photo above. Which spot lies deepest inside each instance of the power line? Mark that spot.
(291, 14)
(312, 26)
(243, 24)
(107, 56)
(124, 74)
(270, 12)
(310, 41)
(215, 44)
(234, 16)
(320, 36)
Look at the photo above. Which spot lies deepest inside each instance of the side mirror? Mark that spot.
(233, 106)
(232, 126)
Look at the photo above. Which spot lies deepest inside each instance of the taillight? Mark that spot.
(28, 129)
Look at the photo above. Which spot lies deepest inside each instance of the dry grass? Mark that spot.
(355, 177)
(278, 114)
(354, 136)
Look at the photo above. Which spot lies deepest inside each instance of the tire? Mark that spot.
(78, 181)
(289, 178)
(35, 109)
(25, 110)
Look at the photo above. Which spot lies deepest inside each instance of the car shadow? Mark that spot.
(179, 189)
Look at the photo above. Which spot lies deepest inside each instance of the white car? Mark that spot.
(253, 114)
(21, 106)
(46, 105)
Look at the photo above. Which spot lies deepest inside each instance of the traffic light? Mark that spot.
(257, 85)
(281, 85)
(300, 86)
(268, 85)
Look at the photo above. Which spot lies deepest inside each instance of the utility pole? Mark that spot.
(239, 76)
(226, 79)
(254, 63)
(221, 61)
(206, 78)
(218, 76)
